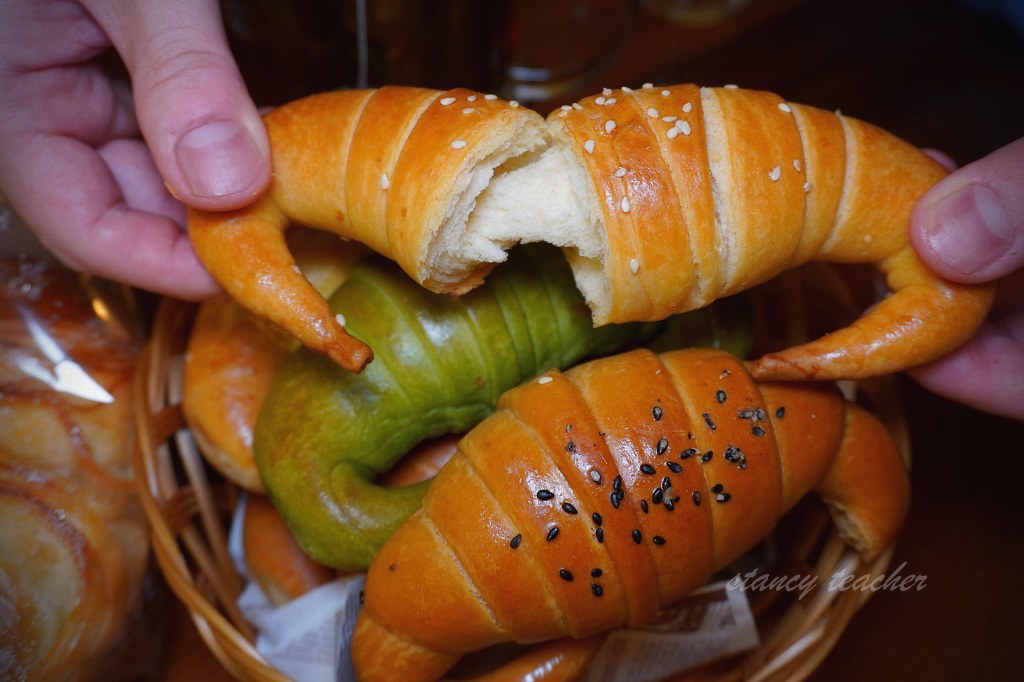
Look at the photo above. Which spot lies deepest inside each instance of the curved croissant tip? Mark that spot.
(354, 355)
(779, 367)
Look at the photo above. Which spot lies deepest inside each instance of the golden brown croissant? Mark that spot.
(73, 538)
(664, 200)
(592, 499)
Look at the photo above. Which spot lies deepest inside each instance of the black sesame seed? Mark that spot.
(616, 498)
(720, 397)
(706, 457)
(657, 412)
(595, 573)
(643, 505)
(647, 468)
(568, 508)
(552, 533)
(595, 476)
(696, 497)
(780, 413)
(637, 536)
(688, 453)
(596, 589)
(570, 446)
(599, 534)
(596, 517)
(544, 494)
(658, 540)
(564, 574)
(759, 413)
(617, 483)
(514, 544)
(709, 421)
(657, 496)
(666, 483)
(674, 467)
(757, 431)
(746, 414)
(724, 497)
(663, 446)
(717, 488)
(670, 505)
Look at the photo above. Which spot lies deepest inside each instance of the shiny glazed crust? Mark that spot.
(664, 199)
(508, 540)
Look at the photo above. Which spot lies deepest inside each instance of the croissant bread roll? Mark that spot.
(594, 498)
(663, 199)
(73, 537)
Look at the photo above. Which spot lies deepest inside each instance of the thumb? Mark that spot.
(206, 137)
(970, 226)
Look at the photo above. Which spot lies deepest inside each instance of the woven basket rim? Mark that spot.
(190, 546)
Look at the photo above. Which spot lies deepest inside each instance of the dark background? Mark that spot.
(941, 74)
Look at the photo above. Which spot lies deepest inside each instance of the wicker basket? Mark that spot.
(190, 507)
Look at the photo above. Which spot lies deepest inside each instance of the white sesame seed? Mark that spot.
(490, 97)
(652, 112)
(471, 98)
(563, 113)
(634, 265)
(668, 119)
(609, 126)
(731, 86)
(647, 86)
(672, 132)
(447, 100)
(807, 187)
(577, 106)
(544, 380)
(688, 107)
(295, 268)
(785, 107)
(565, 107)
(514, 104)
(624, 204)
(589, 146)
(468, 110)
(384, 182)
(599, 101)
(458, 144)
(626, 89)
(620, 172)
(684, 127)
(606, 91)
(610, 101)
(868, 239)
(340, 319)
(775, 173)
(797, 166)
(665, 93)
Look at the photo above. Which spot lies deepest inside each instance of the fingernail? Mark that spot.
(969, 229)
(219, 159)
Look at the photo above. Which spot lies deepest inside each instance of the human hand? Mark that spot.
(72, 163)
(970, 228)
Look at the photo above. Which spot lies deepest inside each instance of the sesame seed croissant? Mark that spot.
(664, 200)
(594, 498)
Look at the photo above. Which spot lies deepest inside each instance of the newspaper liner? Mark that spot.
(308, 638)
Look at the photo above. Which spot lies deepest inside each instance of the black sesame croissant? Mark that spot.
(595, 497)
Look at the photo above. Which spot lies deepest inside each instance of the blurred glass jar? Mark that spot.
(534, 51)
(290, 49)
